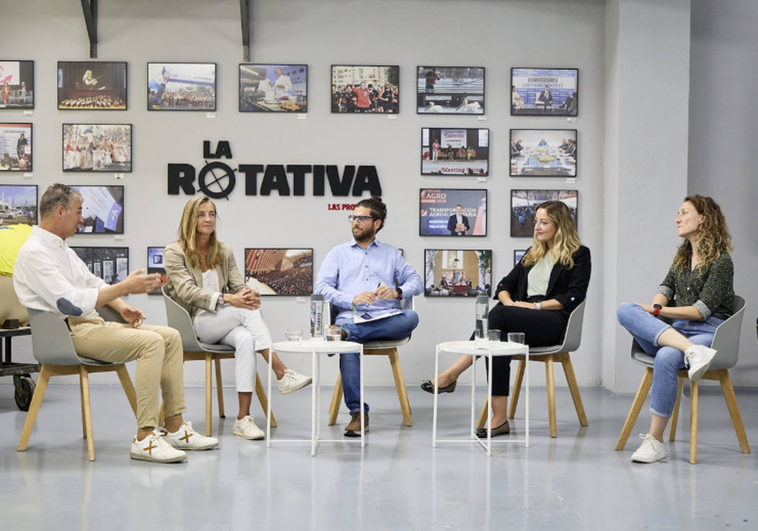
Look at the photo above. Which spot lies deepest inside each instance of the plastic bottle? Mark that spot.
(317, 317)
(482, 313)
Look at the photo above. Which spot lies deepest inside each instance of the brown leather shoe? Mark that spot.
(354, 428)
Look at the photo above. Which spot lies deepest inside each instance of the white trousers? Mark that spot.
(239, 328)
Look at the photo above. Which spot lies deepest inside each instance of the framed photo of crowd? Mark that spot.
(273, 88)
(365, 89)
(543, 153)
(16, 84)
(518, 254)
(92, 86)
(156, 264)
(102, 209)
(457, 272)
(452, 212)
(181, 87)
(16, 147)
(450, 90)
(18, 204)
(97, 148)
(109, 263)
(524, 205)
(279, 271)
(544, 91)
(462, 152)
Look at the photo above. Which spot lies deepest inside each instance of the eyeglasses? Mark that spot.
(359, 219)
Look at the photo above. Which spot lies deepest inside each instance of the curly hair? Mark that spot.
(713, 235)
(566, 240)
(188, 234)
(377, 207)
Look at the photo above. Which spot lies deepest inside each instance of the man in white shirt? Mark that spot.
(49, 276)
(283, 83)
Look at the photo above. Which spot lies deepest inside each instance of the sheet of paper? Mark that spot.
(373, 315)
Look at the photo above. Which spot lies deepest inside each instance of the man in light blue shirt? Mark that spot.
(364, 280)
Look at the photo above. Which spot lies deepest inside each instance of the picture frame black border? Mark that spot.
(486, 212)
(399, 97)
(126, 88)
(34, 77)
(421, 156)
(510, 212)
(492, 269)
(244, 268)
(516, 259)
(36, 200)
(147, 85)
(123, 212)
(128, 257)
(63, 151)
(510, 101)
(510, 159)
(158, 290)
(307, 88)
(13, 172)
(484, 93)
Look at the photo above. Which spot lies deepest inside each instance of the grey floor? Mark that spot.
(398, 481)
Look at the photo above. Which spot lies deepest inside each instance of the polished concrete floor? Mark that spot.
(398, 481)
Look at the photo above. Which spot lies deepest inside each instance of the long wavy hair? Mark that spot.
(713, 235)
(565, 242)
(188, 234)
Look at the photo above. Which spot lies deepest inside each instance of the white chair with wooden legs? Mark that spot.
(53, 348)
(379, 347)
(726, 341)
(550, 355)
(194, 350)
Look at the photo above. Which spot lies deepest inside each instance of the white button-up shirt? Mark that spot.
(49, 276)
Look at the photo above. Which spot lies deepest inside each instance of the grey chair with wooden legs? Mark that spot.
(53, 348)
(572, 338)
(179, 319)
(726, 341)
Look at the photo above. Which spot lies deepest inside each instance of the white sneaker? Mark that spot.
(246, 428)
(292, 381)
(650, 451)
(186, 438)
(698, 358)
(155, 448)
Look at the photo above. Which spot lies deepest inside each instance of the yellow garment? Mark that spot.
(12, 237)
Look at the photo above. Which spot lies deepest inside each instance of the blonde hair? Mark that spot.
(565, 242)
(188, 234)
(713, 235)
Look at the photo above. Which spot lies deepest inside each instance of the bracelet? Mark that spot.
(538, 306)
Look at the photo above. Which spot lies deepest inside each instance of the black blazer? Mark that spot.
(567, 286)
(451, 222)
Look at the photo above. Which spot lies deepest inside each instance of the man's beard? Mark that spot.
(364, 235)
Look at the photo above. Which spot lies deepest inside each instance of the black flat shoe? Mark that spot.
(428, 386)
(503, 429)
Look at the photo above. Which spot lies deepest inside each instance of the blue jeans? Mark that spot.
(395, 327)
(646, 329)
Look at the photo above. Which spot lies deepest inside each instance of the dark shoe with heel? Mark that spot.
(428, 386)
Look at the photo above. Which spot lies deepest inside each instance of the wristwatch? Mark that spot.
(657, 309)
(220, 301)
(399, 293)
(537, 305)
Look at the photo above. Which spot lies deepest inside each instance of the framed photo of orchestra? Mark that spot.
(156, 264)
(461, 152)
(452, 212)
(365, 89)
(109, 263)
(524, 205)
(16, 84)
(181, 87)
(518, 254)
(18, 204)
(97, 148)
(544, 91)
(457, 272)
(92, 86)
(102, 209)
(282, 272)
(273, 88)
(16, 147)
(543, 153)
(450, 90)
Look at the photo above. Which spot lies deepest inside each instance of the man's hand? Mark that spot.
(132, 315)
(136, 282)
(366, 297)
(384, 292)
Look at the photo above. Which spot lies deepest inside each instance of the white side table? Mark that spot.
(314, 348)
(469, 348)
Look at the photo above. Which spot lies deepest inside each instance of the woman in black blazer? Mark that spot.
(536, 298)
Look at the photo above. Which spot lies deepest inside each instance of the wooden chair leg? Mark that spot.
(208, 396)
(126, 383)
(734, 410)
(693, 421)
(81, 402)
(31, 416)
(263, 399)
(84, 382)
(483, 415)
(550, 381)
(219, 389)
(334, 406)
(402, 394)
(568, 369)
(677, 404)
(516, 389)
(639, 400)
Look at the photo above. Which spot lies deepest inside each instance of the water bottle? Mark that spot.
(482, 313)
(317, 317)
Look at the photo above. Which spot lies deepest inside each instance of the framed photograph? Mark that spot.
(543, 153)
(18, 204)
(450, 89)
(457, 273)
(97, 147)
(544, 91)
(16, 147)
(280, 271)
(364, 88)
(524, 205)
(452, 212)
(181, 87)
(155, 264)
(16, 84)
(455, 151)
(102, 209)
(273, 88)
(92, 85)
(518, 254)
(109, 263)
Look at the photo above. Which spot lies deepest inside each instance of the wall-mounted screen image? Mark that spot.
(279, 271)
(365, 89)
(452, 212)
(109, 263)
(102, 209)
(95, 86)
(155, 264)
(455, 151)
(524, 205)
(16, 84)
(181, 87)
(518, 254)
(545, 91)
(450, 89)
(543, 153)
(18, 204)
(457, 273)
(273, 88)
(15, 147)
(97, 147)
